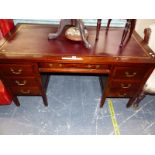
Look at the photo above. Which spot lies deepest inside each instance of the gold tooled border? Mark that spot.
(6, 40)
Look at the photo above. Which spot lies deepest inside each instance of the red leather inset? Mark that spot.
(5, 98)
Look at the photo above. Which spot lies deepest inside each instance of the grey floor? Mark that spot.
(74, 110)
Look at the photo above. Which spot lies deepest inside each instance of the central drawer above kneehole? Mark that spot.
(74, 68)
(73, 65)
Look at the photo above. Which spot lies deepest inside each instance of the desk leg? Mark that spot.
(44, 96)
(103, 84)
(45, 99)
(47, 81)
(44, 80)
(16, 101)
(102, 100)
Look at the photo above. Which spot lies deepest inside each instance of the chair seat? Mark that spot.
(150, 84)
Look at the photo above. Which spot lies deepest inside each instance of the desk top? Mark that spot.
(31, 42)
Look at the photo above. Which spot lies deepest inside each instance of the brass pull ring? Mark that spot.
(60, 65)
(98, 66)
(51, 65)
(89, 66)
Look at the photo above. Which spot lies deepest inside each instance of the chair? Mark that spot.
(149, 87)
(76, 22)
(127, 32)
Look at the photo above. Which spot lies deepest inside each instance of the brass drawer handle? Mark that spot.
(19, 71)
(127, 74)
(98, 66)
(21, 83)
(60, 65)
(125, 86)
(89, 66)
(25, 92)
(123, 95)
(51, 65)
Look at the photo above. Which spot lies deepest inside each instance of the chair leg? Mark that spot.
(63, 23)
(128, 30)
(132, 27)
(136, 100)
(98, 28)
(80, 25)
(130, 102)
(125, 32)
(108, 25)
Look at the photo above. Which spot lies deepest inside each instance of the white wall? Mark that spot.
(141, 24)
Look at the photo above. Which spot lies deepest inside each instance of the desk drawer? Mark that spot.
(120, 93)
(74, 68)
(24, 91)
(123, 88)
(17, 69)
(73, 65)
(22, 81)
(124, 85)
(135, 73)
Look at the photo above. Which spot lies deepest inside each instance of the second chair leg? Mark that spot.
(98, 28)
(136, 100)
(108, 24)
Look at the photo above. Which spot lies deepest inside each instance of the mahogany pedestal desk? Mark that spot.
(27, 55)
